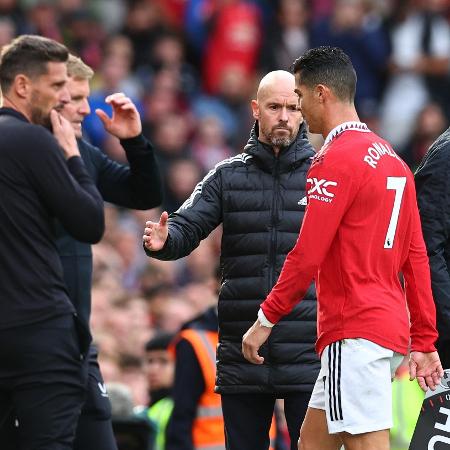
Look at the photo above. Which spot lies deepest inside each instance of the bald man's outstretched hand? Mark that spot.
(155, 233)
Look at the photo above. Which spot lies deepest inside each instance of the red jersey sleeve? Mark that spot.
(331, 189)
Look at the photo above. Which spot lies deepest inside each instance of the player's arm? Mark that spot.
(321, 221)
(424, 364)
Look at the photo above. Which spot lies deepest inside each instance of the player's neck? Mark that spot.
(338, 115)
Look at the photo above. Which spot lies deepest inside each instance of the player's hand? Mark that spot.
(426, 368)
(155, 233)
(64, 134)
(125, 122)
(252, 340)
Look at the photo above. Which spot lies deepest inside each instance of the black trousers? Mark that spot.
(43, 375)
(94, 431)
(247, 418)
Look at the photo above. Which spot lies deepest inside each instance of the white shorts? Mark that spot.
(354, 386)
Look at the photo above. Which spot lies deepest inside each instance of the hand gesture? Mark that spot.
(256, 335)
(426, 368)
(155, 233)
(125, 122)
(64, 134)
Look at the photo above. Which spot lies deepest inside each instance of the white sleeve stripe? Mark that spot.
(242, 157)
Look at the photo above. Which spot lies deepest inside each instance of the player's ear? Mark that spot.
(320, 91)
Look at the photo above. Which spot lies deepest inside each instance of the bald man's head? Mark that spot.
(278, 79)
(276, 109)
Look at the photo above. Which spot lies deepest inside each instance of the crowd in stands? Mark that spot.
(191, 67)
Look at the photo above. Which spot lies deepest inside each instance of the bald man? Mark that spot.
(259, 197)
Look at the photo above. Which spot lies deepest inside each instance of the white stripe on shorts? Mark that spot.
(334, 381)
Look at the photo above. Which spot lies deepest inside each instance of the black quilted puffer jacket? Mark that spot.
(260, 200)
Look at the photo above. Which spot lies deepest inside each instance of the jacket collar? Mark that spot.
(4, 111)
(288, 158)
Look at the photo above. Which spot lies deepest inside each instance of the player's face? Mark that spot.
(278, 115)
(48, 91)
(308, 103)
(78, 108)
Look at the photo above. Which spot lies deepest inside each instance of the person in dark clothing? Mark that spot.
(43, 344)
(259, 197)
(135, 186)
(433, 198)
(160, 368)
(185, 430)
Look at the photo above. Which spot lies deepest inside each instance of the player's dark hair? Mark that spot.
(329, 66)
(28, 55)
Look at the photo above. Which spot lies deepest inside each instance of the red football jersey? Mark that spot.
(360, 231)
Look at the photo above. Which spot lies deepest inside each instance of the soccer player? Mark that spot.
(361, 229)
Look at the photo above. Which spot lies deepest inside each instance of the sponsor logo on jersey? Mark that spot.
(320, 189)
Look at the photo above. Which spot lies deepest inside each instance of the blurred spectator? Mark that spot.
(7, 30)
(168, 53)
(362, 37)
(420, 47)
(44, 19)
(430, 123)
(132, 375)
(114, 76)
(12, 10)
(181, 177)
(84, 35)
(196, 420)
(287, 36)
(175, 313)
(142, 26)
(121, 399)
(233, 42)
(209, 144)
(160, 368)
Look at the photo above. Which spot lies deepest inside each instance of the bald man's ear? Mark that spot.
(255, 109)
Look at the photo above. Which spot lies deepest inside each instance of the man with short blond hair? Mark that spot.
(135, 186)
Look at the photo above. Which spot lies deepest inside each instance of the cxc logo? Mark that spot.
(320, 186)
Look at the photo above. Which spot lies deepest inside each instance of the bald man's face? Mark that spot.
(278, 114)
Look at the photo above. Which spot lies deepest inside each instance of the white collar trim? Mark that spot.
(353, 126)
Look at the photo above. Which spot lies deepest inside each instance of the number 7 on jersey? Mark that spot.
(398, 184)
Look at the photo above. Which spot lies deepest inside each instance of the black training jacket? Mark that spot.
(37, 186)
(433, 197)
(260, 200)
(136, 186)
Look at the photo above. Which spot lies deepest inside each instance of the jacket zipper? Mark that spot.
(273, 233)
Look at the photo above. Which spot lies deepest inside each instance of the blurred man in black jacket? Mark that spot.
(433, 197)
(43, 344)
